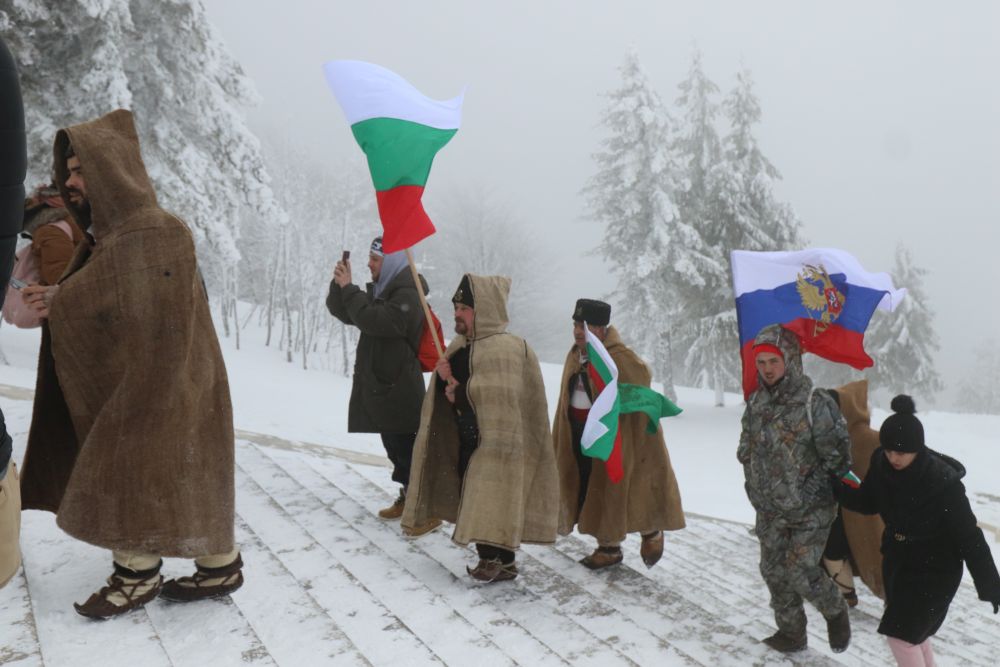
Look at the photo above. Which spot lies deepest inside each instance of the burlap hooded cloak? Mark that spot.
(510, 490)
(647, 498)
(131, 440)
(864, 533)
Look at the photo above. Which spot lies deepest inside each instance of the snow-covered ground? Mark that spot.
(328, 583)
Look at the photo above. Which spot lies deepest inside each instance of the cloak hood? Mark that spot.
(490, 294)
(118, 185)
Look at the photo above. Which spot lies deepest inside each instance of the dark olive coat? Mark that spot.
(388, 387)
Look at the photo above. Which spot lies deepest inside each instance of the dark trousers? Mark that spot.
(837, 547)
(583, 462)
(399, 449)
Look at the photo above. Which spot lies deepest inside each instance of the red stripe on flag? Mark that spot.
(404, 221)
(613, 466)
(596, 381)
(835, 344)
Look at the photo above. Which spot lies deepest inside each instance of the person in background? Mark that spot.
(388, 383)
(53, 232)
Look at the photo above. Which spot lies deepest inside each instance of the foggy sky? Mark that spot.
(882, 117)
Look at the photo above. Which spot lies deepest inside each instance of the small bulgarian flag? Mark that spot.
(400, 130)
(602, 437)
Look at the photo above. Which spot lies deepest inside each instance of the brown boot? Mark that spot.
(395, 510)
(205, 583)
(493, 570)
(428, 526)
(786, 643)
(126, 590)
(652, 548)
(602, 557)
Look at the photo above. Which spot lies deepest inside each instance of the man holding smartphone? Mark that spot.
(388, 387)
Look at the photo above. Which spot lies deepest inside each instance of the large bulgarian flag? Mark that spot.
(602, 438)
(400, 130)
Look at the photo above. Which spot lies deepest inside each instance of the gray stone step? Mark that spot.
(423, 612)
(351, 623)
(524, 600)
(959, 640)
(20, 639)
(60, 571)
(506, 633)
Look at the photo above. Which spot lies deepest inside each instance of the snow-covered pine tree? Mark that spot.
(80, 59)
(979, 392)
(903, 343)
(736, 209)
(651, 249)
(696, 148)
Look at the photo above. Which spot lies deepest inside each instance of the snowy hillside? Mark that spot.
(329, 583)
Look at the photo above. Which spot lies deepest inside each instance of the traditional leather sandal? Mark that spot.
(205, 583)
(130, 589)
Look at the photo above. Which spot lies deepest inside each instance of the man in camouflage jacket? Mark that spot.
(794, 441)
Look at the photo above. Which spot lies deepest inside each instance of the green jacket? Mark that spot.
(388, 387)
(789, 450)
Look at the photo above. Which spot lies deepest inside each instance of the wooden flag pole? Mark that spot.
(423, 303)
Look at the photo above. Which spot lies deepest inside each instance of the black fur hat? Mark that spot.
(902, 431)
(592, 312)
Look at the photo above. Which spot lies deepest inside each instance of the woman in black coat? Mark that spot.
(930, 531)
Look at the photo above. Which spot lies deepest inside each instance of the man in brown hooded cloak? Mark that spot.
(131, 440)
(483, 457)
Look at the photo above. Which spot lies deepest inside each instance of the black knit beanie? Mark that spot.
(902, 431)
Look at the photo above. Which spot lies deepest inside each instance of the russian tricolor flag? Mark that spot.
(822, 294)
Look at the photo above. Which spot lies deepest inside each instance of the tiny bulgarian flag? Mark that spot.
(602, 437)
(400, 130)
(851, 480)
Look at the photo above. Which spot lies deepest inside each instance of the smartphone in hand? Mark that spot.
(346, 256)
(17, 283)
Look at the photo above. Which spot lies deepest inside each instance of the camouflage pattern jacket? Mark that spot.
(789, 450)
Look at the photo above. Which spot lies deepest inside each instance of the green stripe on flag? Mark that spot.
(637, 398)
(400, 152)
(598, 363)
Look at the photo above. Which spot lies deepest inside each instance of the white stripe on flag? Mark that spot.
(367, 91)
(766, 270)
(594, 430)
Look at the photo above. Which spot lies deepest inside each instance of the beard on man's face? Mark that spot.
(460, 327)
(81, 206)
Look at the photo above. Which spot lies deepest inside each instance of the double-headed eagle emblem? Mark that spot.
(819, 294)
